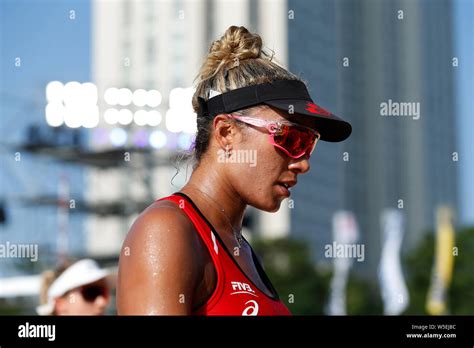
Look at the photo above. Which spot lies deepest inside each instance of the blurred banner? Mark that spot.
(443, 263)
(392, 284)
(345, 234)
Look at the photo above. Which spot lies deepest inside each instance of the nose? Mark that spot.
(300, 165)
(101, 302)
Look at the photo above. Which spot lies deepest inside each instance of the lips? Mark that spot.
(285, 187)
(287, 184)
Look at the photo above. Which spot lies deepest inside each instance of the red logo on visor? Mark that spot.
(316, 109)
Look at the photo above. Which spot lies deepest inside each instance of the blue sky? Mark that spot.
(51, 47)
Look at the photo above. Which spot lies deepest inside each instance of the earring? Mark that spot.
(227, 151)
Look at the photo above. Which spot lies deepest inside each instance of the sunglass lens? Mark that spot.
(90, 293)
(296, 140)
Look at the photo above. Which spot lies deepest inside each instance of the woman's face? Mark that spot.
(90, 299)
(260, 168)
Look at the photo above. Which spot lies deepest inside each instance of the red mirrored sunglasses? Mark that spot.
(291, 138)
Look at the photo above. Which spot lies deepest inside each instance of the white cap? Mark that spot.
(81, 273)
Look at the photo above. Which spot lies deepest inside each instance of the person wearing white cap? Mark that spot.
(81, 289)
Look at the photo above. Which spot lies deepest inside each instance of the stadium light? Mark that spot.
(111, 116)
(55, 92)
(125, 117)
(124, 96)
(73, 104)
(140, 117)
(154, 118)
(180, 117)
(90, 116)
(153, 98)
(158, 139)
(111, 96)
(176, 100)
(72, 117)
(72, 94)
(55, 112)
(140, 97)
(173, 120)
(190, 122)
(118, 137)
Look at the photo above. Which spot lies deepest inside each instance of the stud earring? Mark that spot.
(228, 153)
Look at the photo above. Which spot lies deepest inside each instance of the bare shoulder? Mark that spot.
(159, 263)
(162, 219)
(161, 225)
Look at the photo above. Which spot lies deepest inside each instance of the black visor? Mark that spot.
(289, 96)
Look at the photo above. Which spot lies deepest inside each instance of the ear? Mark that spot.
(225, 131)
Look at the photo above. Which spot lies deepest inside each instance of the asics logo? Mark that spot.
(251, 309)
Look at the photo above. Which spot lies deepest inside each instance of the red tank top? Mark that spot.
(235, 293)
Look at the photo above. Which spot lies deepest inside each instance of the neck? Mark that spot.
(211, 193)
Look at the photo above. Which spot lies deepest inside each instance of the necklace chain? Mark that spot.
(237, 233)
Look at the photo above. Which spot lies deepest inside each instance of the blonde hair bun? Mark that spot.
(237, 44)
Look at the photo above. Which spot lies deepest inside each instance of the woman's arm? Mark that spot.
(159, 265)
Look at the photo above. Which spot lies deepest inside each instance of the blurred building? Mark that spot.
(388, 161)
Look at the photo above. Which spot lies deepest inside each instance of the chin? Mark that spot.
(273, 210)
(270, 206)
(275, 207)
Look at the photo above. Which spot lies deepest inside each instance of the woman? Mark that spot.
(185, 253)
(80, 289)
